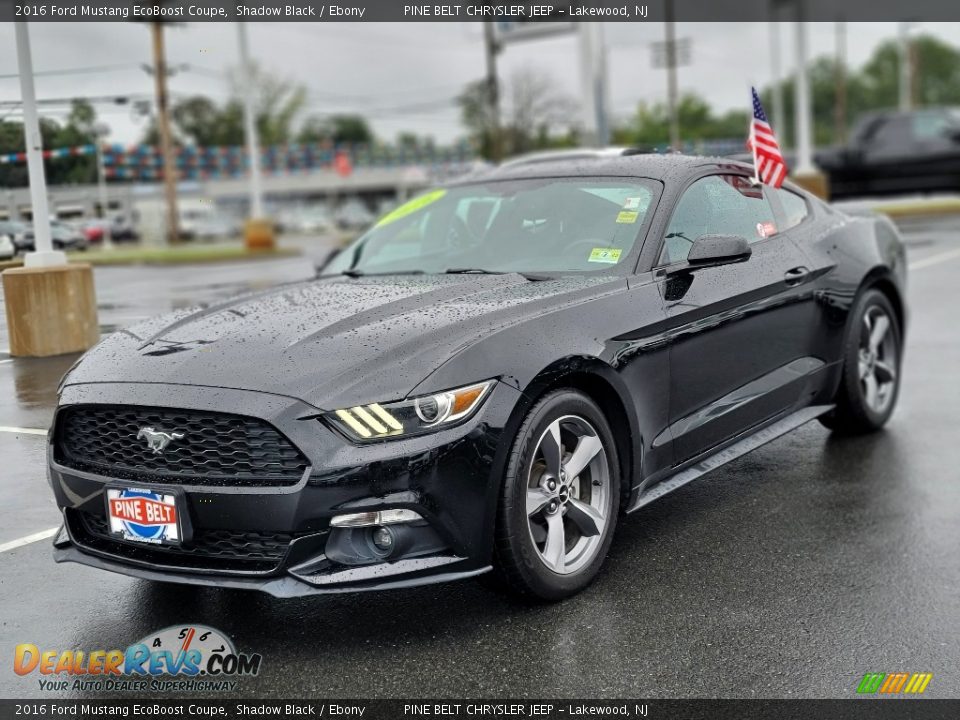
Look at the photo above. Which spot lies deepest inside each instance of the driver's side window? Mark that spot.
(717, 205)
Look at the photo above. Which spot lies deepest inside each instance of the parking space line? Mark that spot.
(23, 431)
(934, 260)
(27, 539)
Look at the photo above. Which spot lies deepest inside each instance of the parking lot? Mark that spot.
(789, 573)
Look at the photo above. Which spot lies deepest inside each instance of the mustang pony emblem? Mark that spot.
(157, 440)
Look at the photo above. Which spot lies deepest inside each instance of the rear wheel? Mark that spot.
(560, 499)
(870, 382)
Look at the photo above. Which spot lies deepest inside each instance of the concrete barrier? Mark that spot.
(50, 310)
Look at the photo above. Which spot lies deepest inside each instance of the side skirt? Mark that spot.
(730, 453)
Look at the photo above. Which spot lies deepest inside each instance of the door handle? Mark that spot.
(796, 276)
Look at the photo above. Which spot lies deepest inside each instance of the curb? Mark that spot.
(159, 260)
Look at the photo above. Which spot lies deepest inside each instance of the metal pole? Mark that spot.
(600, 85)
(906, 91)
(671, 51)
(779, 114)
(840, 108)
(44, 253)
(104, 208)
(250, 125)
(493, 91)
(804, 123)
(588, 86)
(166, 138)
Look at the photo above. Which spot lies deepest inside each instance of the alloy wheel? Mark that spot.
(568, 495)
(877, 359)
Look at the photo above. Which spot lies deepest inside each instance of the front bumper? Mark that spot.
(275, 539)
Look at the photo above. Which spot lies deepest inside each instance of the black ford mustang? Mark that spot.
(487, 379)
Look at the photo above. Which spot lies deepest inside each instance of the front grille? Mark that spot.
(215, 448)
(226, 550)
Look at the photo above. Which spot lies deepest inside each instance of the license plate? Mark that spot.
(143, 516)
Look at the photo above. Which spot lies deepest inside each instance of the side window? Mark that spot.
(717, 205)
(893, 133)
(795, 209)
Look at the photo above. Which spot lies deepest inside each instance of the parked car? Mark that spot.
(312, 220)
(897, 152)
(353, 215)
(66, 236)
(485, 380)
(18, 233)
(7, 248)
(63, 236)
(94, 230)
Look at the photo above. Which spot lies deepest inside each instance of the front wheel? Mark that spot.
(560, 498)
(870, 382)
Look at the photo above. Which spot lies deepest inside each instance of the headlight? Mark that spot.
(410, 417)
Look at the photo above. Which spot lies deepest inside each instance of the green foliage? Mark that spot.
(874, 87)
(76, 130)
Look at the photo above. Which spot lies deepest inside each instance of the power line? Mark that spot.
(75, 71)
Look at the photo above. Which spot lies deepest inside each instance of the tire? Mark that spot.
(870, 379)
(556, 549)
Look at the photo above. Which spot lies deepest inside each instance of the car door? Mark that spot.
(739, 331)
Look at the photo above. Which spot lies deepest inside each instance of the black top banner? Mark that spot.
(508, 14)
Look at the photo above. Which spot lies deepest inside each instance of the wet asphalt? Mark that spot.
(789, 573)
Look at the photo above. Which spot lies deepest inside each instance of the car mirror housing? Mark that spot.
(711, 250)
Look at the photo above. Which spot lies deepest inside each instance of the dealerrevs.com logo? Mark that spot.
(894, 683)
(186, 658)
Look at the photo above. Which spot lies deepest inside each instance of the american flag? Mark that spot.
(768, 161)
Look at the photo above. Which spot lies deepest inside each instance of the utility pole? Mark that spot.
(493, 91)
(166, 138)
(670, 43)
(840, 106)
(44, 253)
(250, 125)
(906, 74)
(779, 114)
(100, 132)
(803, 122)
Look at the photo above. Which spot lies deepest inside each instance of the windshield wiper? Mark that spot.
(533, 277)
(354, 273)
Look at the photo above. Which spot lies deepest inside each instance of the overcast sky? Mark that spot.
(380, 69)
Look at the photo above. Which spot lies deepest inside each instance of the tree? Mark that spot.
(198, 120)
(536, 115)
(350, 129)
(78, 130)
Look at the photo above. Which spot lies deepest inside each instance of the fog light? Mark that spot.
(383, 539)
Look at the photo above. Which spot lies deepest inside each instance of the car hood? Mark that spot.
(331, 342)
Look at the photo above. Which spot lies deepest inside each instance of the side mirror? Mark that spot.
(711, 250)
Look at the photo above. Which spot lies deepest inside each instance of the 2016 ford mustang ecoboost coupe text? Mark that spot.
(485, 380)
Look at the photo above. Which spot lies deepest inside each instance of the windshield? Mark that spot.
(544, 225)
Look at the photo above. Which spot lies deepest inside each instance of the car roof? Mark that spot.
(667, 167)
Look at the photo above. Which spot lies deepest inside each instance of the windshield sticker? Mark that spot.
(631, 203)
(626, 217)
(605, 255)
(408, 208)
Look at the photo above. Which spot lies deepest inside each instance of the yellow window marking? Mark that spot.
(626, 217)
(356, 426)
(408, 208)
